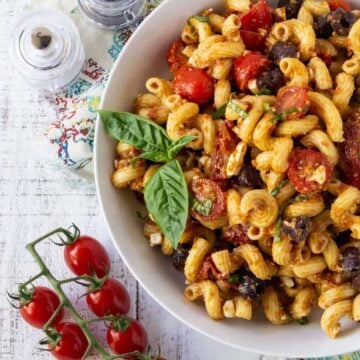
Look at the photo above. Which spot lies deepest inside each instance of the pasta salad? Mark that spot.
(248, 159)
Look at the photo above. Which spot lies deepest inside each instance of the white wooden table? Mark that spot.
(35, 198)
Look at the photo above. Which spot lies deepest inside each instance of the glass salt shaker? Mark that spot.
(46, 49)
(112, 14)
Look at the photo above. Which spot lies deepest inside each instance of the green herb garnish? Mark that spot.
(203, 208)
(282, 115)
(277, 235)
(234, 278)
(242, 113)
(276, 190)
(219, 113)
(200, 18)
(303, 320)
(267, 107)
(264, 91)
(166, 193)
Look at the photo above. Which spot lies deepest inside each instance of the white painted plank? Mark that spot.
(34, 199)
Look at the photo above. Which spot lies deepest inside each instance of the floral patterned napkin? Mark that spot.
(71, 135)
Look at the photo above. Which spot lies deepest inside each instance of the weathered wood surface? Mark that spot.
(35, 198)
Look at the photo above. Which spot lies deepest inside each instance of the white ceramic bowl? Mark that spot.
(144, 57)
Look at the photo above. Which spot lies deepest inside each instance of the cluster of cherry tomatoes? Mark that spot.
(86, 256)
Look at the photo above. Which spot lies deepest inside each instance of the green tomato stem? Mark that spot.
(64, 300)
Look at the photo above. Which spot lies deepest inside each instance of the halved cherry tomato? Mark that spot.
(248, 67)
(226, 142)
(350, 150)
(111, 299)
(208, 190)
(309, 171)
(253, 40)
(175, 58)
(334, 4)
(73, 343)
(87, 255)
(38, 311)
(292, 101)
(194, 85)
(127, 335)
(258, 17)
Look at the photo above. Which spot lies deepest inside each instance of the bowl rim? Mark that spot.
(239, 346)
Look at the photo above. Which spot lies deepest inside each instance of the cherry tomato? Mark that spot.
(85, 256)
(334, 4)
(253, 41)
(175, 57)
(41, 307)
(127, 336)
(194, 85)
(248, 67)
(207, 190)
(111, 299)
(350, 150)
(73, 343)
(292, 101)
(309, 171)
(258, 17)
(225, 145)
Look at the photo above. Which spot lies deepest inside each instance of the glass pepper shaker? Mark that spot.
(112, 14)
(46, 49)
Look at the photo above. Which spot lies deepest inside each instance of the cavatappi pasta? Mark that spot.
(273, 172)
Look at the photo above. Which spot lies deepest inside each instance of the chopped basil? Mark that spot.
(267, 107)
(200, 18)
(277, 235)
(219, 113)
(276, 190)
(264, 91)
(234, 278)
(281, 116)
(242, 113)
(202, 208)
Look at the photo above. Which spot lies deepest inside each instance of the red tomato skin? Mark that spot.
(292, 97)
(111, 299)
(72, 344)
(258, 17)
(226, 142)
(40, 309)
(194, 85)
(134, 338)
(253, 41)
(334, 4)
(300, 162)
(86, 255)
(249, 66)
(175, 58)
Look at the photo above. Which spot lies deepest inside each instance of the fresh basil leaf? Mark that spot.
(242, 113)
(276, 190)
(219, 113)
(167, 200)
(277, 235)
(155, 156)
(136, 130)
(234, 278)
(200, 18)
(203, 208)
(179, 144)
